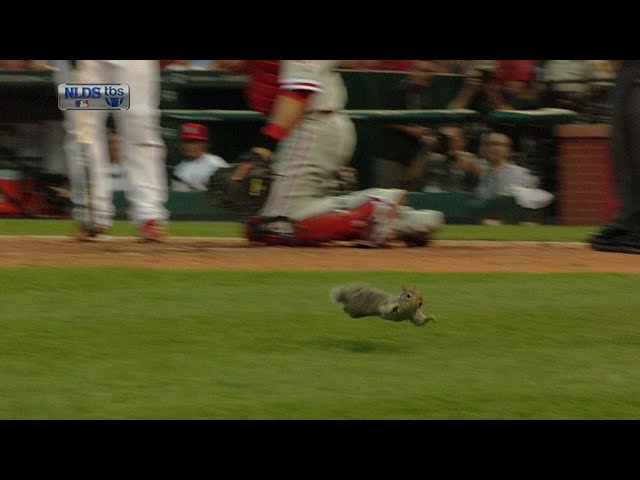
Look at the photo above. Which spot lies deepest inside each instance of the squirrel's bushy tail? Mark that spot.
(338, 294)
(344, 293)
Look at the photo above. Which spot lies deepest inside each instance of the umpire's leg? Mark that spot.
(626, 151)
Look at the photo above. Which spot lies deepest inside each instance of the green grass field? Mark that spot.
(135, 344)
(117, 343)
(229, 229)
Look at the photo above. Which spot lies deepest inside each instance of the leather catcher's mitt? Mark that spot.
(243, 197)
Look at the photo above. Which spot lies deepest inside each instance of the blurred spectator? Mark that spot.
(238, 66)
(395, 65)
(188, 64)
(174, 64)
(26, 65)
(467, 166)
(567, 83)
(517, 79)
(390, 65)
(232, 67)
(482, 149)
(506, 188)
(16, 64)
(400, 144)
(510, 72)
(481, 93)
(449, 166)
(603, 71)
(481, 64)
(599, 108)
(192, 174)
(202, 64)
(455, 67)
(501, 173)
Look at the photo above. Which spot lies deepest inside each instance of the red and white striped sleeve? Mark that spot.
(302, 75)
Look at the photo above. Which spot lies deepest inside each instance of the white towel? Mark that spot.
(533, 198)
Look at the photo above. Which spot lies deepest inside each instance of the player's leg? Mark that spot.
(305, 165)
(98, 156)
(621, 153)
(611, 235)
(306, 162)
(416, 227)
(75, 162)
(144, 151)
(75, 168)
(627, 166)
(631, 159)
(92, 147)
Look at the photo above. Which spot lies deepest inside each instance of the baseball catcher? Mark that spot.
(283, 183)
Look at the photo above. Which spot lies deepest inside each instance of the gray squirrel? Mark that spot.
(363, 300)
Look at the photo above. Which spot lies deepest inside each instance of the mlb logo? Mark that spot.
(82, 103)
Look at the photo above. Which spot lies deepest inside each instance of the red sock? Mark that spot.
(347, 225)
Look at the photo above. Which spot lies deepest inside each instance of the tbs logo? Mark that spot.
(114, 101)
(103, 97)
(114, 96)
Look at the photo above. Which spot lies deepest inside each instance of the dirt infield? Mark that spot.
(238, 254)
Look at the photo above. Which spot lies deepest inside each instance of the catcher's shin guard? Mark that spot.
(347, 225)
(381, 225)
(340, 225)
(270, 230)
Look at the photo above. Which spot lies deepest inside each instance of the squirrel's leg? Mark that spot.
(352, 313)
(391, 311)
(356, 307)
(420, 318)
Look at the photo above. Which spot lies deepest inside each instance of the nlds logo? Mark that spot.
(101, 97)
(81, 92)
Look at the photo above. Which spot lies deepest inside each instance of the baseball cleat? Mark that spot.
(152, 231)
(84, 233)
(416, 227)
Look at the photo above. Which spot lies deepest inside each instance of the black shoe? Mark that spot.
(626, 243)
(418, 239)
(607, 234)
(631, 243)
(84, 233)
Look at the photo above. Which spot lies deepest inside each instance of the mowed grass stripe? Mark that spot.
(124, 343)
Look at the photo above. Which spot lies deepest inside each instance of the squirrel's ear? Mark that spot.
(403, 288)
